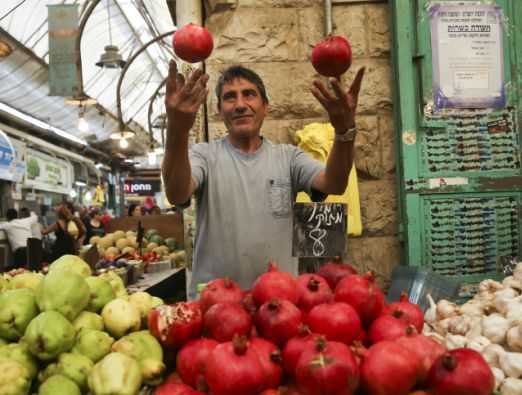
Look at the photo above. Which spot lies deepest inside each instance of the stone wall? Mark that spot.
(274, 37)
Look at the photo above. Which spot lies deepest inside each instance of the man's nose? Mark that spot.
(240, 104)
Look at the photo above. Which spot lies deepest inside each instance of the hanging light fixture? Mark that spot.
(111, 58)
(124, 143)
(83, 125)
(5, 49)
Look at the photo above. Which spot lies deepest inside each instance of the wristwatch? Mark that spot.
(349, 135)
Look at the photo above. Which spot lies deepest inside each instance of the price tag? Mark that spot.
(319, 229)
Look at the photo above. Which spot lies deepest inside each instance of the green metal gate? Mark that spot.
(459, 171)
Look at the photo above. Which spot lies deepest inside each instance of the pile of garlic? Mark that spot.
(490, 323)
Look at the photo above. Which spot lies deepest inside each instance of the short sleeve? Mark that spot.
(198, 155)
(304, 170)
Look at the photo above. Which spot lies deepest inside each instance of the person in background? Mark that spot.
(94, 225)
(65, 243)
(105, 219)
(134, 210)
(24, 213)
(18, 230)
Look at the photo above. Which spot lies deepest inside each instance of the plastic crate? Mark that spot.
(418, 283)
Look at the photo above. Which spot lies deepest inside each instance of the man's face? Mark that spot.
(242, 108)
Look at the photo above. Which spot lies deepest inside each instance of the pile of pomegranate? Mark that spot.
(329, 332)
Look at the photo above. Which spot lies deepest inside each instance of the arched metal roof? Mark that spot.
(132, 23)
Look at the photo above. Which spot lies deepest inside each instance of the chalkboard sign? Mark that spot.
(319, 229)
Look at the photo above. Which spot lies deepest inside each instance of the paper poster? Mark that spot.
(467, 55)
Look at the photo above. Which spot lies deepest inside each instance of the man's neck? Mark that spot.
(248, 145)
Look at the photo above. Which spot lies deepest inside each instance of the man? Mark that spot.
(244, 184)
(18, 230)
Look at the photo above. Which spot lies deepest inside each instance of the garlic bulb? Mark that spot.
(511, 364)
(512, 282)
(492, 353)
(514, 338)
(431, 314)
(499, 376)
(517, 272)
(495, 327)
(502, 298)
(511, 386)
(459, 325)
(455, 341)
(472, 308)
(489, 286)
(435, 336)
(442, 326)
(478, 343)
(514, 313)
(475, 327)
(446, 309)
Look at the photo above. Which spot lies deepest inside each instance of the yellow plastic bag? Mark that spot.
(317, 140)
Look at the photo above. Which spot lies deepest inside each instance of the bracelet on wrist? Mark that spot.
(349, 135)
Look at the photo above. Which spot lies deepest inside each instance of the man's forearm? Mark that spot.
(338, 166)
(176, 168)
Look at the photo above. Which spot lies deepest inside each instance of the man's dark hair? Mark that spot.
(11, 214)
(24, 212)
(234, 72)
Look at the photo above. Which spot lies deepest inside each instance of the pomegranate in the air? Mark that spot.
(332, 56)
(192, 43)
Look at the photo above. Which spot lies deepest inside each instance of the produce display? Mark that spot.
(331, 332)
(490, 323)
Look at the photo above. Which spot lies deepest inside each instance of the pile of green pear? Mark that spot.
(70, 333)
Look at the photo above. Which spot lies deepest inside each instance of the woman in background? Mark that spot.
(65, 243)
(134, 210)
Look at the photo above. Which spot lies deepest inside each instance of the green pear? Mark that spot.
(58, 385)
(27, 280)
(71, 263)
(17, 308)
(121, 317)
(143, 302)
(115, 374)
(116, 283)
(93, 344)
(63, 291)
(19, 352)
(157, 301)
(14, 379)
(145, 349)
(75, 367)
(101, 293)
(4, 284)
(48, 335)
(86, 319)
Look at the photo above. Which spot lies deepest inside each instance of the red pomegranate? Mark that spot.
(313, 290)
(332, 56)
(388, 368)
(462, 371)
(169, 388)
(278, 321)
(220, 290)
(275, 285)
(427, 349)
(224, 320)
(248, 302)
(337, 321)
(270, 359)
(191, 362)
(295, 346)
(386, 327)
(328, 368)
(233, 368)
(174, 325)
(286, 390)
(334, 271)
(406, 311)
(192, 43)
(362, 294)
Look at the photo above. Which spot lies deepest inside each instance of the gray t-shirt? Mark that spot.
(244, 208)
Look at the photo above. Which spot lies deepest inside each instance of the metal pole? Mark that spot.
(151, 102)
(327, 17)
(124, 71)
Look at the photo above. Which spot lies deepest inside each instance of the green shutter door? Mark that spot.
(459, 171)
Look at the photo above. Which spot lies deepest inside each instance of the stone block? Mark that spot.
(381, 255)
(277, 131)
(379, 207)
(387, 134)
(350, 21)
(311, 30)
(367, 146)
(248, 35)
(277, 3)
(379, 31)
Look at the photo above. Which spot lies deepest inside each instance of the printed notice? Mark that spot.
(467, 56)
